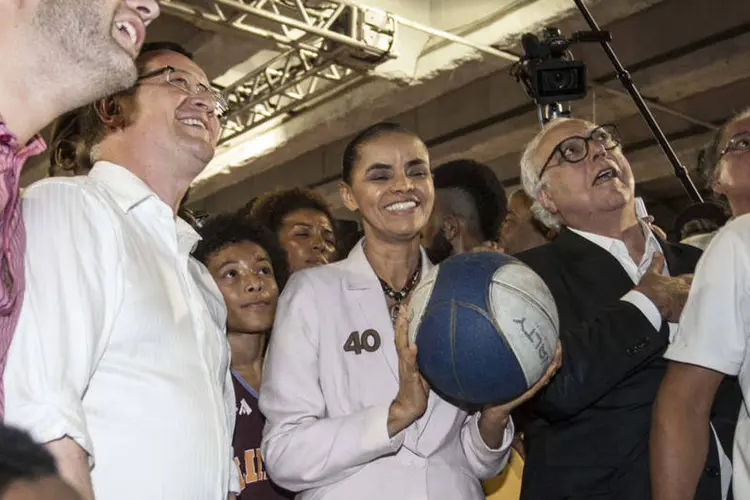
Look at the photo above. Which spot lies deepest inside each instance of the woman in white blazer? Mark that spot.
(349, 417)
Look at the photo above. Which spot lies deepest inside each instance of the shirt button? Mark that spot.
(712, 472)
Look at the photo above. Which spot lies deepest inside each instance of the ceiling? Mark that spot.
(689, 58)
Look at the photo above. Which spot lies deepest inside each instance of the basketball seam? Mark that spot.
(529, 297)
(486, 316)
(453, 348)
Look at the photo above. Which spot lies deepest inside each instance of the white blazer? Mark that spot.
(327, 408)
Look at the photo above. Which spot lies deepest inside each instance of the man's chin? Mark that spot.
(117, 74)
(201, 151)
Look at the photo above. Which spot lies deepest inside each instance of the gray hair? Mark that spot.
(530, 180)
(708, 160)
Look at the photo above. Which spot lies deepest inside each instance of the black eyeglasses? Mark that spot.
(189, 83)
(740, 142)
(576, 148)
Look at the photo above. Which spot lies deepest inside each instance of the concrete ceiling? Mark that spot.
(690, 57)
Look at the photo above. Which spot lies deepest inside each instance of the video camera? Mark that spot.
(548, 69)
(549, 72)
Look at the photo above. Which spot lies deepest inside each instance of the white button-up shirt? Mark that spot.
(619, 251)
(121, 341)
(715, 327)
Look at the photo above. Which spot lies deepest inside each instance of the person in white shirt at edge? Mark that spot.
(120, 356)
(348, 413)
(711, 342)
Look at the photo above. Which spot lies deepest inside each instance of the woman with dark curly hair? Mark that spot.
(303, 222)
(250, 269)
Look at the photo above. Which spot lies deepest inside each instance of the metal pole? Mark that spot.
(679, 170)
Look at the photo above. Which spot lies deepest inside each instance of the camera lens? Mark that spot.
(555, 81)
(560, 80)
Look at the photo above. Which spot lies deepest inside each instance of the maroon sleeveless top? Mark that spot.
(248, 429)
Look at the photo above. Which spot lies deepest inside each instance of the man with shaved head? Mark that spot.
(470, 206)
(619, 289)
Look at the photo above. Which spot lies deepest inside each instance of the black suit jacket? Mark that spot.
(589, 430)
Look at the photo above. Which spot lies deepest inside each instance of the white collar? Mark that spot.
(126, 188)
(608, 243)
(129, 190)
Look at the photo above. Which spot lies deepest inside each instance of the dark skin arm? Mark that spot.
(679, 437)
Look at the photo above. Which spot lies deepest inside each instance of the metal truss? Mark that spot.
(323, 44)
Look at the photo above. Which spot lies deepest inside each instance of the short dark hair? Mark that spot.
(151, 48)
(483, 187)
(74, 133)
(224, 230)
(22, 459)
(165, 46)
(271, 208)
(351, 151)
(697, 227)
(711, 215)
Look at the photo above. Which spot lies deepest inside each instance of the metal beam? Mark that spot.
(289, 81)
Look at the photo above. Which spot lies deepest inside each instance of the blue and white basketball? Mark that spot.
(486, 328)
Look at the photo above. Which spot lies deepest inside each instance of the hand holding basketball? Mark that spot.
(413, 390)
(494, 418)
(551, 370)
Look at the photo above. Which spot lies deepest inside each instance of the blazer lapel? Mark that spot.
(365, 289)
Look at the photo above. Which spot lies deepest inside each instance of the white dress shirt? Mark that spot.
(715, 327)
(121, 341)
(327, 406)
(619, 251)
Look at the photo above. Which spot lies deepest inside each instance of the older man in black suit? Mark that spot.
(619, 290)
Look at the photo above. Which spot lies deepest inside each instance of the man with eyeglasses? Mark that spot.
(55, 55)
(711, 343)
(618, 290)
(120, 353)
